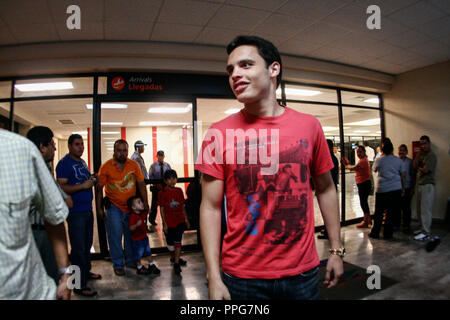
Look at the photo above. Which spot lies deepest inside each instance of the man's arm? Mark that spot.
(98, 200)
(210, 228)
(143, 192)
(73, 188)
(327, 198)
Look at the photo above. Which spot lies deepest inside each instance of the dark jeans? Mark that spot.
(405, 207)
(363, 192)
(304, 286)
(389, 201)
(81, 233)
(46, 252)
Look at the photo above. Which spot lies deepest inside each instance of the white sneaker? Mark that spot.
(421, 237)
(418, 231)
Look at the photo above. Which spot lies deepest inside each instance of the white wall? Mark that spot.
(419, 104)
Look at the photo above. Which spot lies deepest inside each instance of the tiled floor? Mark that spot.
(420, 275)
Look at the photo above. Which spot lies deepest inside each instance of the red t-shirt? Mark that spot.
(270, 209)
(172, 200)
(363, 173)
(140, 232)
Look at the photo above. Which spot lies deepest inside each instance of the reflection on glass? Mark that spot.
(360, 99)
(53, 87)
(361, 127)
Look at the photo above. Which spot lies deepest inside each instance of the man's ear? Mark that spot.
(274, 69)
(41, 147)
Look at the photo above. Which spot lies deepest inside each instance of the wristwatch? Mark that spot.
(339, 252)
(66, 270)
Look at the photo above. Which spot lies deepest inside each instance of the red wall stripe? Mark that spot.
(123, 133)
(154, 143)
(185, 156)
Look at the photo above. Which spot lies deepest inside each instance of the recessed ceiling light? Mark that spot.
(110, 132)
(44, 86)
(232, 110)
(109, 106)
(81, 133)
(171, 110)
(111, 123)
(372, 100)
(326, 129)
(361, 131)
(161, 123)
(370, 122)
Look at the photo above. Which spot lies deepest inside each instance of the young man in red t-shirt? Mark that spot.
(174, 218)
(262, 159)
(139, 239)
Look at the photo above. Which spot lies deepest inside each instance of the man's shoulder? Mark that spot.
(9, 138)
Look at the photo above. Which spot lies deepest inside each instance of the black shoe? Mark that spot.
(153, 269)
(177, 268)
(374, 236)
(86, 292)
(180, 261)
(432, 244)
(142, 271)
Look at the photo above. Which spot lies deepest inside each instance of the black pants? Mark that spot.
(389, 201)
(405, 207)
(154, 207)
(363, 192)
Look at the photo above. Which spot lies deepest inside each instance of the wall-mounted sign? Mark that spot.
(158, 83)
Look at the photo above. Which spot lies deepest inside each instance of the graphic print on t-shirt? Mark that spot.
(128, 182)
(277, 204)
(81, 171)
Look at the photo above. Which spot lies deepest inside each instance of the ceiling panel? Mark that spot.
(128, 31)
(195, 12)
(269, 5)
(230, 17)
(312, 9)
(175, 32)
(417, 14)
(132, 10)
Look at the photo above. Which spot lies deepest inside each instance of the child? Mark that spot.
(139, 239)
(173, 214)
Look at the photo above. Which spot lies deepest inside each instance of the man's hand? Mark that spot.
(335, 268)
(218, 290)
(63, 292)
(88, 184)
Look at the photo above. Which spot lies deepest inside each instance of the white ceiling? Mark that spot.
(414, 33)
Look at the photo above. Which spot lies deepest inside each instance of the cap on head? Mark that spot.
(139, 143)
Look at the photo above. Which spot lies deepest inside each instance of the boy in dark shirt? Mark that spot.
(139, 239)
(174, 217)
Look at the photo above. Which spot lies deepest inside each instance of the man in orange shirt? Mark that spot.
(120, 176)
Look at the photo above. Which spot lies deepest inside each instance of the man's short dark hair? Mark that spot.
(130, 202)
(361, 147)
(387, 146)
(170, 174)
(404, 146)
(120, 141)
(425, 138)
(40, 135)
(73, 137)
(266, 50)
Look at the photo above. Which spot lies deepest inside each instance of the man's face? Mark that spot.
(424, 145)
(141, 149)
(48, 152)
(402, 152)
(76, 148)
(121, 152)
(248, 75)
(161, 159)
(360, 153)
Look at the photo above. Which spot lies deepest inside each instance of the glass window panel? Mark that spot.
(297, 92)
(210, 111)
(53, 87)
(160, 129)
(5, 89)
(63, 117)
(328, 118)
(360, 126)
(360, 99)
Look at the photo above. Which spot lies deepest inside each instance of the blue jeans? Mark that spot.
(117, 226)
(81, 233)
(141, 248)
(304, 286)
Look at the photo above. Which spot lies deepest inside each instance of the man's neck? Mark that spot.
(74, 157)
(265, 108)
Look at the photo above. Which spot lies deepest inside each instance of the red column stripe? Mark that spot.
(154, 143)
(185, 156)
(89, 147)
(123, 133)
